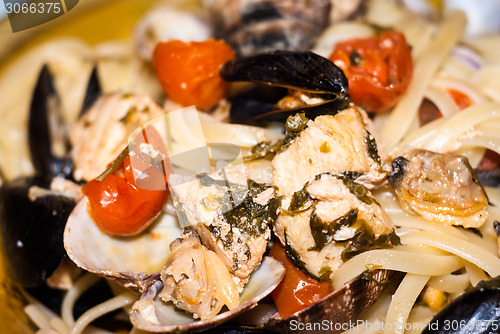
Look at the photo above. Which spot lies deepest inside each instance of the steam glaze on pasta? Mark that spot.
(440, 187)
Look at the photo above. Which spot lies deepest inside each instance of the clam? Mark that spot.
(162, 24)
(152, 314)
(257, 26)
(439, 187)
(130, 261)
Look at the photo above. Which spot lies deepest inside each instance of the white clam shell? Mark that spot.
(128, 260)
(168, 319)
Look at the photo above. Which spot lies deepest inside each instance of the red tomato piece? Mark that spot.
(189, 72)
(297, 290)
(379, 69)
(462, 100)
(123, 203)
(120, 207)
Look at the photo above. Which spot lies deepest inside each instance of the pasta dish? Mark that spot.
(282, 166)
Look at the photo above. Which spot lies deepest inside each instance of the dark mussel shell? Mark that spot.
(258, 105)
(44, 105)
(304, 71)
(489, 178)
(93, 92)
(280, 115)
(257, 100)
(32, 230)
(301, 71)
(477, 311)
(341, 308)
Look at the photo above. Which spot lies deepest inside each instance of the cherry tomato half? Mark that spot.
(189, 72)
(379, 69)
(123, 203)
(297, 290)
(120, 207)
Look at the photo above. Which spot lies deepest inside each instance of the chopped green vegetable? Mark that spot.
(298, 202)
(368, 276)
(357, 189)
(323, 232)
(324, 273)
(294, 125)
(372, 147)
(365, 240)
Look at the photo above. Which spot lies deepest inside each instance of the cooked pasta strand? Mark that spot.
(464, 249)
(423, 264)
(402, 302)
(101, 309)
(47, 331)
(406, 110)
(442, 101)
(418, 319)
(59, 325)
(83, 284)
(475, 273)
(450, 283)
(37, 316)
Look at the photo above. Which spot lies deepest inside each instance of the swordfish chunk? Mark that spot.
(232, 215)
(328, 213)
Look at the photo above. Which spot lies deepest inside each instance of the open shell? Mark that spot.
(341, 307)
(130, 261)
(151, 314)
(442, 188)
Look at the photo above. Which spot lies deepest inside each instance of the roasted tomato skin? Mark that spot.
(189, 72)
(379, 69)
(119, 207)
(297, 290)
(462, 100)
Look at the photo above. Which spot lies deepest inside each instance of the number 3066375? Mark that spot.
(41, 7)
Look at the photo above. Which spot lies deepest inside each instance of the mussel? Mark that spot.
(477, 311)
(317, 85)
(32, 214)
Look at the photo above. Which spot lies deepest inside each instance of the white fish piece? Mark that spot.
(221, 208)
(338, 217)
(334, 144)
(102, 133)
